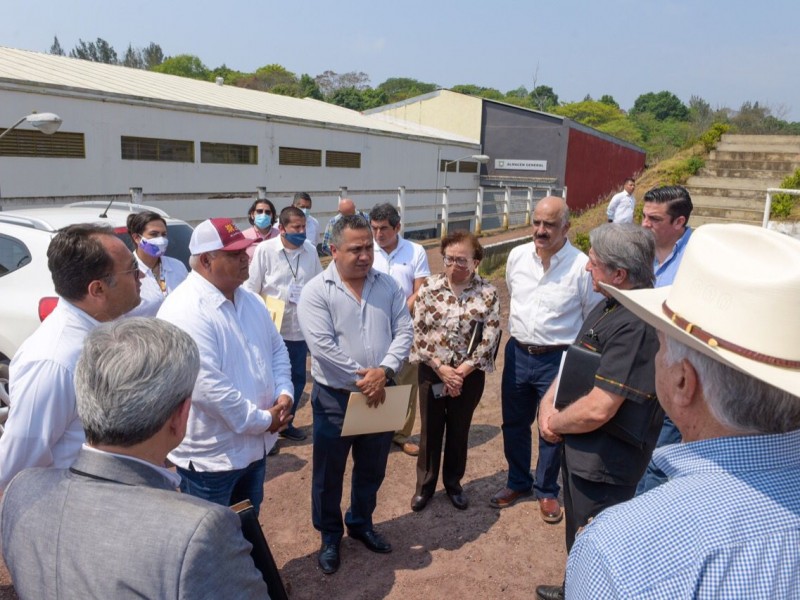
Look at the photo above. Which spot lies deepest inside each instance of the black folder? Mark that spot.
(261, 554)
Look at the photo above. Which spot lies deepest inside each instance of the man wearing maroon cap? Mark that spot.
(243, 394)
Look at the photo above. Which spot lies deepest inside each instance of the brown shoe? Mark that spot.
(411, 449)
(550, 509)
(508, 497)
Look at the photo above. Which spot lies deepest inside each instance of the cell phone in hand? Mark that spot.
(438, 390)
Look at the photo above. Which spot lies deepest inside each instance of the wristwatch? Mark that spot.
(389, 372)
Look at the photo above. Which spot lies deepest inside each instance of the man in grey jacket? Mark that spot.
(113, 524)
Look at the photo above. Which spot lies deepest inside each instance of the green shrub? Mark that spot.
(782, 204)
(582, 242)
(713, 135)
(682, 170)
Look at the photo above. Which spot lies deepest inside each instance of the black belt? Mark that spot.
(533, 349)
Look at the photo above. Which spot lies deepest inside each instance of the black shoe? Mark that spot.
(328, 558)
(274, 450)
(419, 502)
(293, 433)
(550, 592)
(459, 500)
(372, 540)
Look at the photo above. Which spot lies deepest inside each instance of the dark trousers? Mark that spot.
(440, 415)
(298, 351)
(526, 378)
(226, 487)
(370, 453)
(584, 499)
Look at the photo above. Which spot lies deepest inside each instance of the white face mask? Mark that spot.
(306, 211)
(155, 247)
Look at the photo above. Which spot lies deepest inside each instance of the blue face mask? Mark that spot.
(263, 221)
(306, 211)
(295, 239)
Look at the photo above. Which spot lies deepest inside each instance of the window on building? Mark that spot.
(137, 148)
(467, 167)
(299, 157)
(451, 168)
(228, 154)
(36, 144)
(346, 160)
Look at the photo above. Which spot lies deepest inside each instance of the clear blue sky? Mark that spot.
(726, 51)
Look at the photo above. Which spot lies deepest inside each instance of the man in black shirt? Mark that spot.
(609, 434)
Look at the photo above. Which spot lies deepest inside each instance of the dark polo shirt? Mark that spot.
(628, 348)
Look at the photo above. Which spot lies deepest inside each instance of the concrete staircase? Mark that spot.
(732, 187)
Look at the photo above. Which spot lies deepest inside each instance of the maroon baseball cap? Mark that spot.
(217, 234)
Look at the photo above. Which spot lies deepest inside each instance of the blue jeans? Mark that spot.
(298, 351)
(526, 378)
(653, 476)
(226, 487)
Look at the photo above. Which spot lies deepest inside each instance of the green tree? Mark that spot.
(309, 87)
(608, 99)
(662, 105)
(544, 98)
(589, 112)
(400, 88)
(229, 76)
(152, 55)
(356, 99)
(99, 51)
(133, 58)
(56, 48)
(331, 81)
(184, 65)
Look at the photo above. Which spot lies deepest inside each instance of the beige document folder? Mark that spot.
(275, 306)
(389, 416)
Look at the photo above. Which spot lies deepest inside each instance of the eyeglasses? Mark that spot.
(263, 211)
(457, 260)
(135, 271)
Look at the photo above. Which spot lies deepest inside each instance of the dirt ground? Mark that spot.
(440, 552)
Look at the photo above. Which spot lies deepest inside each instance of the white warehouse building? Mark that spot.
(199, 149)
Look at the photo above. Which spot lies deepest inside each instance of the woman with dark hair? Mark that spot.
(262, 217)
(456, 332)
(162, 274)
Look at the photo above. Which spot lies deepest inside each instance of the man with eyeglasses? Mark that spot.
(97, 280)
(407, 263)
(243, 395)
(551, 295)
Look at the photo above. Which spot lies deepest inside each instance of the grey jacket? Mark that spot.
(114, 528)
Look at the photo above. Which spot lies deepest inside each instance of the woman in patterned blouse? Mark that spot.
(456, 333)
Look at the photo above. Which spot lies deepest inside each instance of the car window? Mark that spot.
(13, 255)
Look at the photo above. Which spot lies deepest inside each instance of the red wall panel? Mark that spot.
(596, 167)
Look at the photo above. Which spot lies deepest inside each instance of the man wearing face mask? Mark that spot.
(303, 201)
(162, 274)
(280, 268)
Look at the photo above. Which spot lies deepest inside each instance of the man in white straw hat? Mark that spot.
(727, 523)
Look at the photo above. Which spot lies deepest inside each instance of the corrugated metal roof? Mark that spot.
(84, 77)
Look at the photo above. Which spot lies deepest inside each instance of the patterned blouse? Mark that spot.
(443, 323)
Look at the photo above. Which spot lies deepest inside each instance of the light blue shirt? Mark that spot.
(665, 272)
(725, 525)
(344, 334)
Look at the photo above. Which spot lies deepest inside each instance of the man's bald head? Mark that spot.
(555, 205)
(347, 207)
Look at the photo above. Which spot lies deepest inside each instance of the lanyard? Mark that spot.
(296, 269)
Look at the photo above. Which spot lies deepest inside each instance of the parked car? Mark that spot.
(26, 288)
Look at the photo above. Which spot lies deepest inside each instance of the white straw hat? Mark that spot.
(735, 298)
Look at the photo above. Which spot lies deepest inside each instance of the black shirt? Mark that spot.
(628, 348)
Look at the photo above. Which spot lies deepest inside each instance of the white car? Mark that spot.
(26, 288)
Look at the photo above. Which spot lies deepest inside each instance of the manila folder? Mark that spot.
(389, 416)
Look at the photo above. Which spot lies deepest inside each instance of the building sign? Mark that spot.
(520, 165)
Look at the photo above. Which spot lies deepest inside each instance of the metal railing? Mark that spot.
(478, 209)
(768, 205)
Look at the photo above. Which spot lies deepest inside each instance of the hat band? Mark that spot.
(715, 342)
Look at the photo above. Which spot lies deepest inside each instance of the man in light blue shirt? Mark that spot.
(359, 332)
(727, 522)
(666, 213)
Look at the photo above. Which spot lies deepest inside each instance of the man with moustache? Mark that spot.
(358, 329)
(97, 280)
(243, 394)
(551, 295)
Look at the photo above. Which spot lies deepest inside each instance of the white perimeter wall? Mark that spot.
(386, 162)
